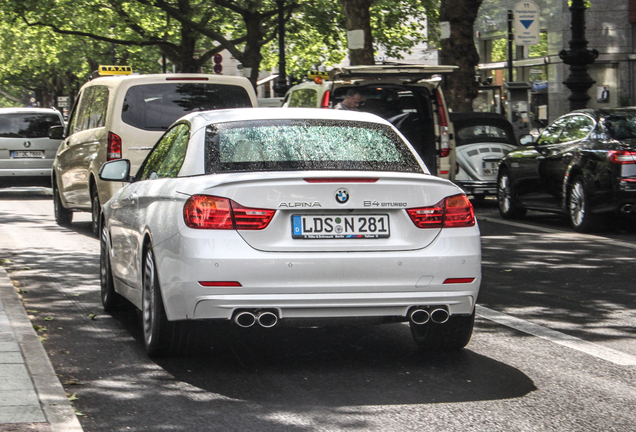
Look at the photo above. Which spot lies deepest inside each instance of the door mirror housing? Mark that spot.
(117, 170)
(526, 139)
(56, 132)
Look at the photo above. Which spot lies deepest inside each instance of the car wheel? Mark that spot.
(96, 211)
(63, 217)
(111, 301)
(508, 208)
(161, 337)
(452, 335)
(581, 218)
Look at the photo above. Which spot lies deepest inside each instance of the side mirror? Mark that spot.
(56, 132)
(117, 170)
(526, 139)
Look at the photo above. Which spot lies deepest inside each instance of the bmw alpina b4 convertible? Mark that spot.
(267, 216)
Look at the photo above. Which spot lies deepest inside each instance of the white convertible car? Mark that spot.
(264, 216)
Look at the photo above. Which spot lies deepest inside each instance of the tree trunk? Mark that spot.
(359, 18)
(459, 50)
(252, 56)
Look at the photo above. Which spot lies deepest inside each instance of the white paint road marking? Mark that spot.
(557, 337)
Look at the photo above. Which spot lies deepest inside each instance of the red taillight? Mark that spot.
(188, 79)
(114, 147)
(622, 157)
(324, 103)
(457, 280)
(209, 212)
(341, 180)
(220, 283)
(452, 212)
(444, 148)
(250, 219)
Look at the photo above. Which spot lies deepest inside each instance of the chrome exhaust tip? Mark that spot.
(245, 319)
(627, 208)
(440, 316)
(267, 319)
(419, 316)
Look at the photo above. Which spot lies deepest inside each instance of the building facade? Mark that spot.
(539, 71)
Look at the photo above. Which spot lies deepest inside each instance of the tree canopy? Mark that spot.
(50, 47)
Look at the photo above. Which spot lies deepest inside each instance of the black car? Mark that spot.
(582, 165)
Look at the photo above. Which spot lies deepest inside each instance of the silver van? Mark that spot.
(26, 151)
(122, 117)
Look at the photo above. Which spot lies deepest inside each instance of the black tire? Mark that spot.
(580, 216)
(96, 211)
(506, 198)
(63, 217)
(452, 335)
(111, 301)
(161, 337)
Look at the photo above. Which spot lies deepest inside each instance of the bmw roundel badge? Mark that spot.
(342, 196)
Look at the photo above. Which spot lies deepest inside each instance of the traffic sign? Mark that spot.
(527, 23)
(218, 58)
(218, 68)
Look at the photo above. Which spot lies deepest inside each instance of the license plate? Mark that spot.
(490, 167)
(26, 154)
(340, 226)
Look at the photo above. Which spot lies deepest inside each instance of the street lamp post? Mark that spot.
(578, 57)
(281, 83)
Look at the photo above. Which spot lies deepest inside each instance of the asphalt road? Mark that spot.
(554, 347)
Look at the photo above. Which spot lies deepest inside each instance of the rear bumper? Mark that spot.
(485, 187)
(30, 172)
(25, 177)
(316, 285)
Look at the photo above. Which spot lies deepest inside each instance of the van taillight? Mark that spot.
(114, 147)
(444, 148)
(210, 212)
(622, 157)
(453, 212)
(324, 103)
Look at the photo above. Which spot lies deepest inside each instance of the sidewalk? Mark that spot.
(31, 396)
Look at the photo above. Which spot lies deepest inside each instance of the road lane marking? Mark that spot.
(557, 337)
(571, 234)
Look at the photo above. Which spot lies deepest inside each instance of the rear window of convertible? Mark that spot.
(278, 145)
(154, 107)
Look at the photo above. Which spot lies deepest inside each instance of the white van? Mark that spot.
(408, 96)
(122, 117)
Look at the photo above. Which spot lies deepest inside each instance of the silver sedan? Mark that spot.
(262, 215)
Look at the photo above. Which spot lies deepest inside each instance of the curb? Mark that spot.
(57, 409)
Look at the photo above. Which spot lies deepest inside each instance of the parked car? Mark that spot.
(26, 151)
(481, 140)
(122, 117)
(583, 165)
(262, 215)
(409, 96)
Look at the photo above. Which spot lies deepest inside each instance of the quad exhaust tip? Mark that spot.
(265, 319)
(420, 315)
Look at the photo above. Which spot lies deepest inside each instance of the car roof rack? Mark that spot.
(408, 71)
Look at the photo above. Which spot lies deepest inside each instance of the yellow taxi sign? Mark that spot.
(316, 74)
(115, 70)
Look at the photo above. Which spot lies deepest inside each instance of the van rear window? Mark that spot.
(28, 125)
(155, 107)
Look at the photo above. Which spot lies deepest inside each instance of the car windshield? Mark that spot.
(621, 127)
(156, 106)
(306, 145)
(480, 134)
(27, 125)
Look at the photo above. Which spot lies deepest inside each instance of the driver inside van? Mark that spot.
(351, 101)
